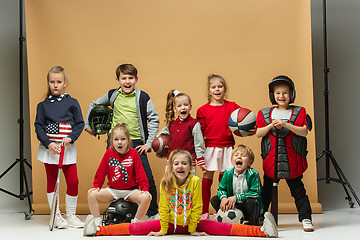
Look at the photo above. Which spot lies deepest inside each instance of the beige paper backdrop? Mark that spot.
(174, 44)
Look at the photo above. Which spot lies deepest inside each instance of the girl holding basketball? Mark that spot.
(185, 131)
(59, 122)
(180, 209)
(219, 141)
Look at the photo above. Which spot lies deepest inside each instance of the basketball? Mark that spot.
(241, 121)
(161, 145)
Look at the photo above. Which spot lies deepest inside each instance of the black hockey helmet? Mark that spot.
(119, 211)
(282, 79)
(100, 119)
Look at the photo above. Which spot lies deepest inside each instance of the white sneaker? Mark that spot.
(60, 222)
(269, 226)
(307, 225)
(90, 227)
(153, 217)
(74, 221)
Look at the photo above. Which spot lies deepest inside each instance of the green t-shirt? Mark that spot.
(125, 112)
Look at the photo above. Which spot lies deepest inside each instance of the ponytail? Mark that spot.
(169, 109)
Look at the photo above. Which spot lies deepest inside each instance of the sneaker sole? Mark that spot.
(271, 218)
(308, 229)
(88, 219)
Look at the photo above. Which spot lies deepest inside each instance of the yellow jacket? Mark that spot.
(175, 202)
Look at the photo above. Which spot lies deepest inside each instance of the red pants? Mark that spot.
(210, 227)
(71, 177)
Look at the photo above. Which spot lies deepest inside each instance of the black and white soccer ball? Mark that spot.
(230, 216)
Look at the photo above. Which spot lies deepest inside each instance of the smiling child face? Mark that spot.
(127, 82)
(182, 107)
(181, 168)
(217, 90)
(282, 96)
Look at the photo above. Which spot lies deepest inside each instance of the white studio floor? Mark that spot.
(338, 224)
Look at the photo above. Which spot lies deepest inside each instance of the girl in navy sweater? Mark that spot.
(59, 122)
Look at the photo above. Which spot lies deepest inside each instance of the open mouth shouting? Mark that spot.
(238, 163)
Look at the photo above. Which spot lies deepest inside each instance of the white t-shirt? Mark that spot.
(281, 114)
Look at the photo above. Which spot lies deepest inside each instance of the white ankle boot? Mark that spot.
(71, 218)
(60, 222)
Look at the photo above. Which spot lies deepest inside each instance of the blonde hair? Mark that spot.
(121, 127)
(55, 69)
(210, 78)
(170, 103)
(245, 149)
(167, 182)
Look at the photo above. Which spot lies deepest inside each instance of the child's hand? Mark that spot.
(93, 189)
(199, 234)
(142, 148)
(66, 141)
(156, 234)
(278, 123)
(224, 204)
(54, 148)
(90, 131)
(231, 202)
(203, 168)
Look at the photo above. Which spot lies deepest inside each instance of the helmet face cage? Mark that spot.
(282, 80)
(100, 119)
(119, 211)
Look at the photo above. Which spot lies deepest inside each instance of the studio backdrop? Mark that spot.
(175, 44)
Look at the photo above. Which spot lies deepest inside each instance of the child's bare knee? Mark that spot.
(146, 198)
(91, 195)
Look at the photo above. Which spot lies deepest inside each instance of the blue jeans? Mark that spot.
(153, 208)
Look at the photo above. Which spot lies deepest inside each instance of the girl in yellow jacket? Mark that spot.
(180, 210)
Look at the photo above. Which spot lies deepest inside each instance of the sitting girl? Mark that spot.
(125, 172)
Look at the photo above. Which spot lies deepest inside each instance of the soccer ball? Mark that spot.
(231, 216)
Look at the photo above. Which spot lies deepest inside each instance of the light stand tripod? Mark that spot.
(24, 193)
(328, 154)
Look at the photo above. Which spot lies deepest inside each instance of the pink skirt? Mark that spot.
(218, 159)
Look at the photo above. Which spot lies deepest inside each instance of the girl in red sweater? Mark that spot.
(185, 131)
(123, 168)
(219, 141)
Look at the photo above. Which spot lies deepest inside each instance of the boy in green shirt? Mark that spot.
(241, 187)
(135, 108)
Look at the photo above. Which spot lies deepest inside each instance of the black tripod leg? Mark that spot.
(345, 182)
(8, 169)
(27, 194)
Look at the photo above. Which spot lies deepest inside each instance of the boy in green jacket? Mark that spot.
(241, 187)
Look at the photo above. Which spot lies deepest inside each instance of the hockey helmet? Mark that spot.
(281, 79)
(100, 119)
(119, 211)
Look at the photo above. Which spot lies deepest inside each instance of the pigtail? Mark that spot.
(167, 182)
(169, 110)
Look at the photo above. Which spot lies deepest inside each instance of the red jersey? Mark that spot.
(214, 121)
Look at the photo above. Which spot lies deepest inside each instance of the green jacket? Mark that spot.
(254, 187)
